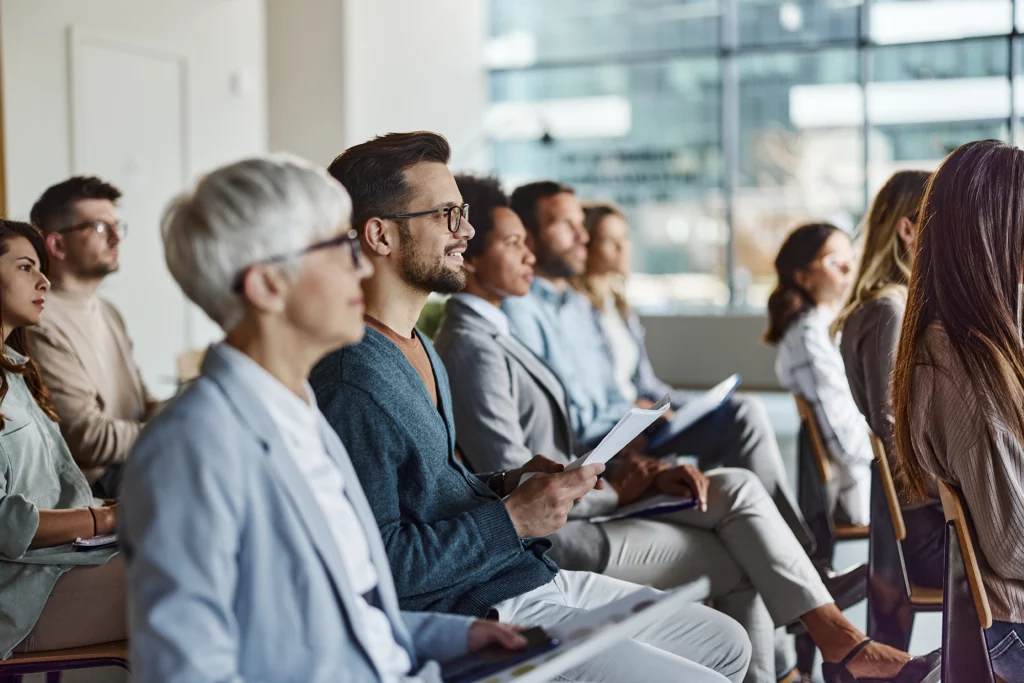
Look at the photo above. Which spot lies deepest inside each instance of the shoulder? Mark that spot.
(360, 378)
(111, 311)
(196, 434)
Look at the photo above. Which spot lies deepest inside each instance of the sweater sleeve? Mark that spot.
(95, 438)
(19, 518)
(880, 335)
(426, 555)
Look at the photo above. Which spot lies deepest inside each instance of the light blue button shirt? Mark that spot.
(560, 327)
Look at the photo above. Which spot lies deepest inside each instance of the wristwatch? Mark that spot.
(496, 483)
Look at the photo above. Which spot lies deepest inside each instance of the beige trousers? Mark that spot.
(741, 547)
(88, 606)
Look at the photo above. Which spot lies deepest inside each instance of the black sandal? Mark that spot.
(918, 670)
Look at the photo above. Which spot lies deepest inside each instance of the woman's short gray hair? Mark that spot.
(245, 213)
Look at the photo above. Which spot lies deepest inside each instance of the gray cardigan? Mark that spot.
(509, 406)
(37, 472)
(868, 346)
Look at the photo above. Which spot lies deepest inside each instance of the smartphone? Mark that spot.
(494, 658)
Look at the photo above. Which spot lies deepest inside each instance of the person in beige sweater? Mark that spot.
(958, 382)
(81, 345)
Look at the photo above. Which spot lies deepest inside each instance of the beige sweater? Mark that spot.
(84, 354)
(979, 455)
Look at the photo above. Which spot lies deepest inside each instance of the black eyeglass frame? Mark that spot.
(351, 238)
(120, 229)
(446, 210)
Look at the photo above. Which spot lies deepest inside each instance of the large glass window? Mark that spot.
(720, 125)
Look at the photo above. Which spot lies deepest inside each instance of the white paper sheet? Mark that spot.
(625, 430)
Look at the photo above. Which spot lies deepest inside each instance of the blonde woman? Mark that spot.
(870, 326)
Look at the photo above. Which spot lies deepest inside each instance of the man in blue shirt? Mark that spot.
(558, 324)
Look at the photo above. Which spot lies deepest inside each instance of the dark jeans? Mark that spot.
(739, 434)
(108, 485)
(1006, 650)
(924, 547)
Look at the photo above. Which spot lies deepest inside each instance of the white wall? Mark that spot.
(223, 45)
(417, 65)
(306, 58)
(343, 71)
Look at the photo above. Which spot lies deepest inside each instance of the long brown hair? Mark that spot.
(18, 337)
(967, 271)
(593, 214)
(884, 266)
(789, 300)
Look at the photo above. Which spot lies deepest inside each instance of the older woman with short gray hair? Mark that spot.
(251, 550)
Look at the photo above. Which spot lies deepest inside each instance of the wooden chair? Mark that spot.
(53, 662)
(965, 609)
(893, 600)
(814, 478)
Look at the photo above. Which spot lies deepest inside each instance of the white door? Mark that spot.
(128, 125)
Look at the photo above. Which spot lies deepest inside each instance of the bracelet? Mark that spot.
(93, 521)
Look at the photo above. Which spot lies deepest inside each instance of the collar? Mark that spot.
(276, 396)
(485, 310)
(546, 291)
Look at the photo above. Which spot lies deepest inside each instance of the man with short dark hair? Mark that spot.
(81, 345)
(458, 542)
(557, 323)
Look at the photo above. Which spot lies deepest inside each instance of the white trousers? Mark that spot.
(695, 645)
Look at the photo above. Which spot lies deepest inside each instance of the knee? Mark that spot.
(734, 488)
(750, 411)
(729, 645)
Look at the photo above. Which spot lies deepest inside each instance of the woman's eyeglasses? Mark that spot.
(351, 238)
(454, 214)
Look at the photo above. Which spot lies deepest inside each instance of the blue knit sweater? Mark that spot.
(451, 544)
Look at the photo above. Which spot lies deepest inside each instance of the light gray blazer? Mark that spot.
(232, 570)
(508, 407)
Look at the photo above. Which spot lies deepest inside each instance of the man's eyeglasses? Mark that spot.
(454, 214)
(101, 228)
(351, 238)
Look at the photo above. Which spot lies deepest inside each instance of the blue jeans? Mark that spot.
(1006, 650)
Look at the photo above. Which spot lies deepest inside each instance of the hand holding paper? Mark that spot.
(540, 507)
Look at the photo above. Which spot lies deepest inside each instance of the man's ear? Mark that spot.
(379, 237)
(55, 246)
(265, 287)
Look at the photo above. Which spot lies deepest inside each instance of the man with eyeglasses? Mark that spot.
(81, 345)
(459, 542)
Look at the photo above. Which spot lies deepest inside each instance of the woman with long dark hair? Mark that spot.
(52, 596)
(815, 268)
(958, 383)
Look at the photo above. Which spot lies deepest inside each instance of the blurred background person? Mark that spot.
(869, 330)
(815, 270)
(81, 345)
(52, 595)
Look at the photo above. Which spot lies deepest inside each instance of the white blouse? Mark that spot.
(625, 354)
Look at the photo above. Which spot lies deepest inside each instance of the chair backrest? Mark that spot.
(806, 412)
(956, 514)
(889, 488)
